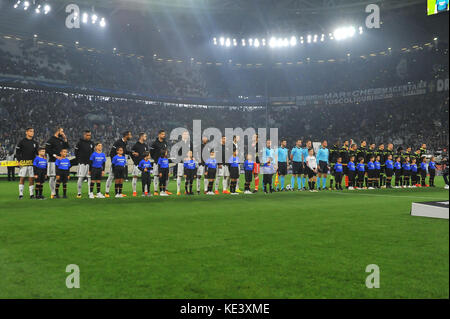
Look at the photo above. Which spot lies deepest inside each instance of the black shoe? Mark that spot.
(21, 197)
(64, 196)
(42, 198)
(198, 192)
(57, 196)
(255, 191)
(32, 197)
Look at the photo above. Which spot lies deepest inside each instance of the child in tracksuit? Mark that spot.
(248, 169)
(145, 167)
(268, 170)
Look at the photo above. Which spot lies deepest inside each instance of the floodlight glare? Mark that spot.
(264, 42)
(250, 42)
(309, 38)
(293, 41)
(222, 41)
(256, 43)
(26, 4)
(228, 42)
(85, 18)
(243, 42)
(235, 42)
(94, 19)
(102, 22)
(47, 9)
(215, 41)
(273, 42)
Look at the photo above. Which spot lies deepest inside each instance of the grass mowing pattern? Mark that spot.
(283, 245)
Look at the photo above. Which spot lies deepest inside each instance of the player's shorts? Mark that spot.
(96, 173)
(256, 167)
(119, 172)
(180, 169)
(223, 171)
(211, 173)
(323, 167)
(310, 172)
(26, 171)
(63, 175)
(282, 168)
(389, 172)
(200, 170)
(83, 170)
(51, 169)
(190, 173)
(234, 172)
(297, 168)
(371, 173)
(136, 171)
(304, 169)
(39, 174)
(248, 176)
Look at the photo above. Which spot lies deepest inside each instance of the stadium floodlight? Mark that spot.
(102, 22)
(309, 38)
(322, 38)
(344, 33)
(35, 36)
(85, 18)
(38, 9)
(17, 4)
(315, 38)
(293, 41)
(47, 9)
(26, 5)
(215, 41)
(435, 38)
(222, 41)
(235, 42)
(250, 42)
(228, 42)
(361, 30)
(264, 42)
(256, 43)
(243, 42)
(272, 42)
(285, 42)
(94, 18)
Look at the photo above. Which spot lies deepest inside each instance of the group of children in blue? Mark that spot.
(406, 171)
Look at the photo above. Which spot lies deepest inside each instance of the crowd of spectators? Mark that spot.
(177, 78)
(403, 121)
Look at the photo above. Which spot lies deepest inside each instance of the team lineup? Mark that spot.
(346, 166)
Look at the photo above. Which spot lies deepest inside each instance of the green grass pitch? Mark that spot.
(283, 245)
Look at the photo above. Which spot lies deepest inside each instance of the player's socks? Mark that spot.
(299, 183)
(79, 185)
(256, 183)
(64, 189)
(116, 189)
(282, 182)
(293, 182)
(21, 188)
(318, 182)
(91, 188)
(324, 182)
(57, 189)
(134, 184)
(36, 191)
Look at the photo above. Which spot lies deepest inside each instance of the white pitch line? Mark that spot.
(380, 195)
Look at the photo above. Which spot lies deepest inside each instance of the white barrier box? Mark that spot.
(431, 209)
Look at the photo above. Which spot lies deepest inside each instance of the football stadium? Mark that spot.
(223, 149)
